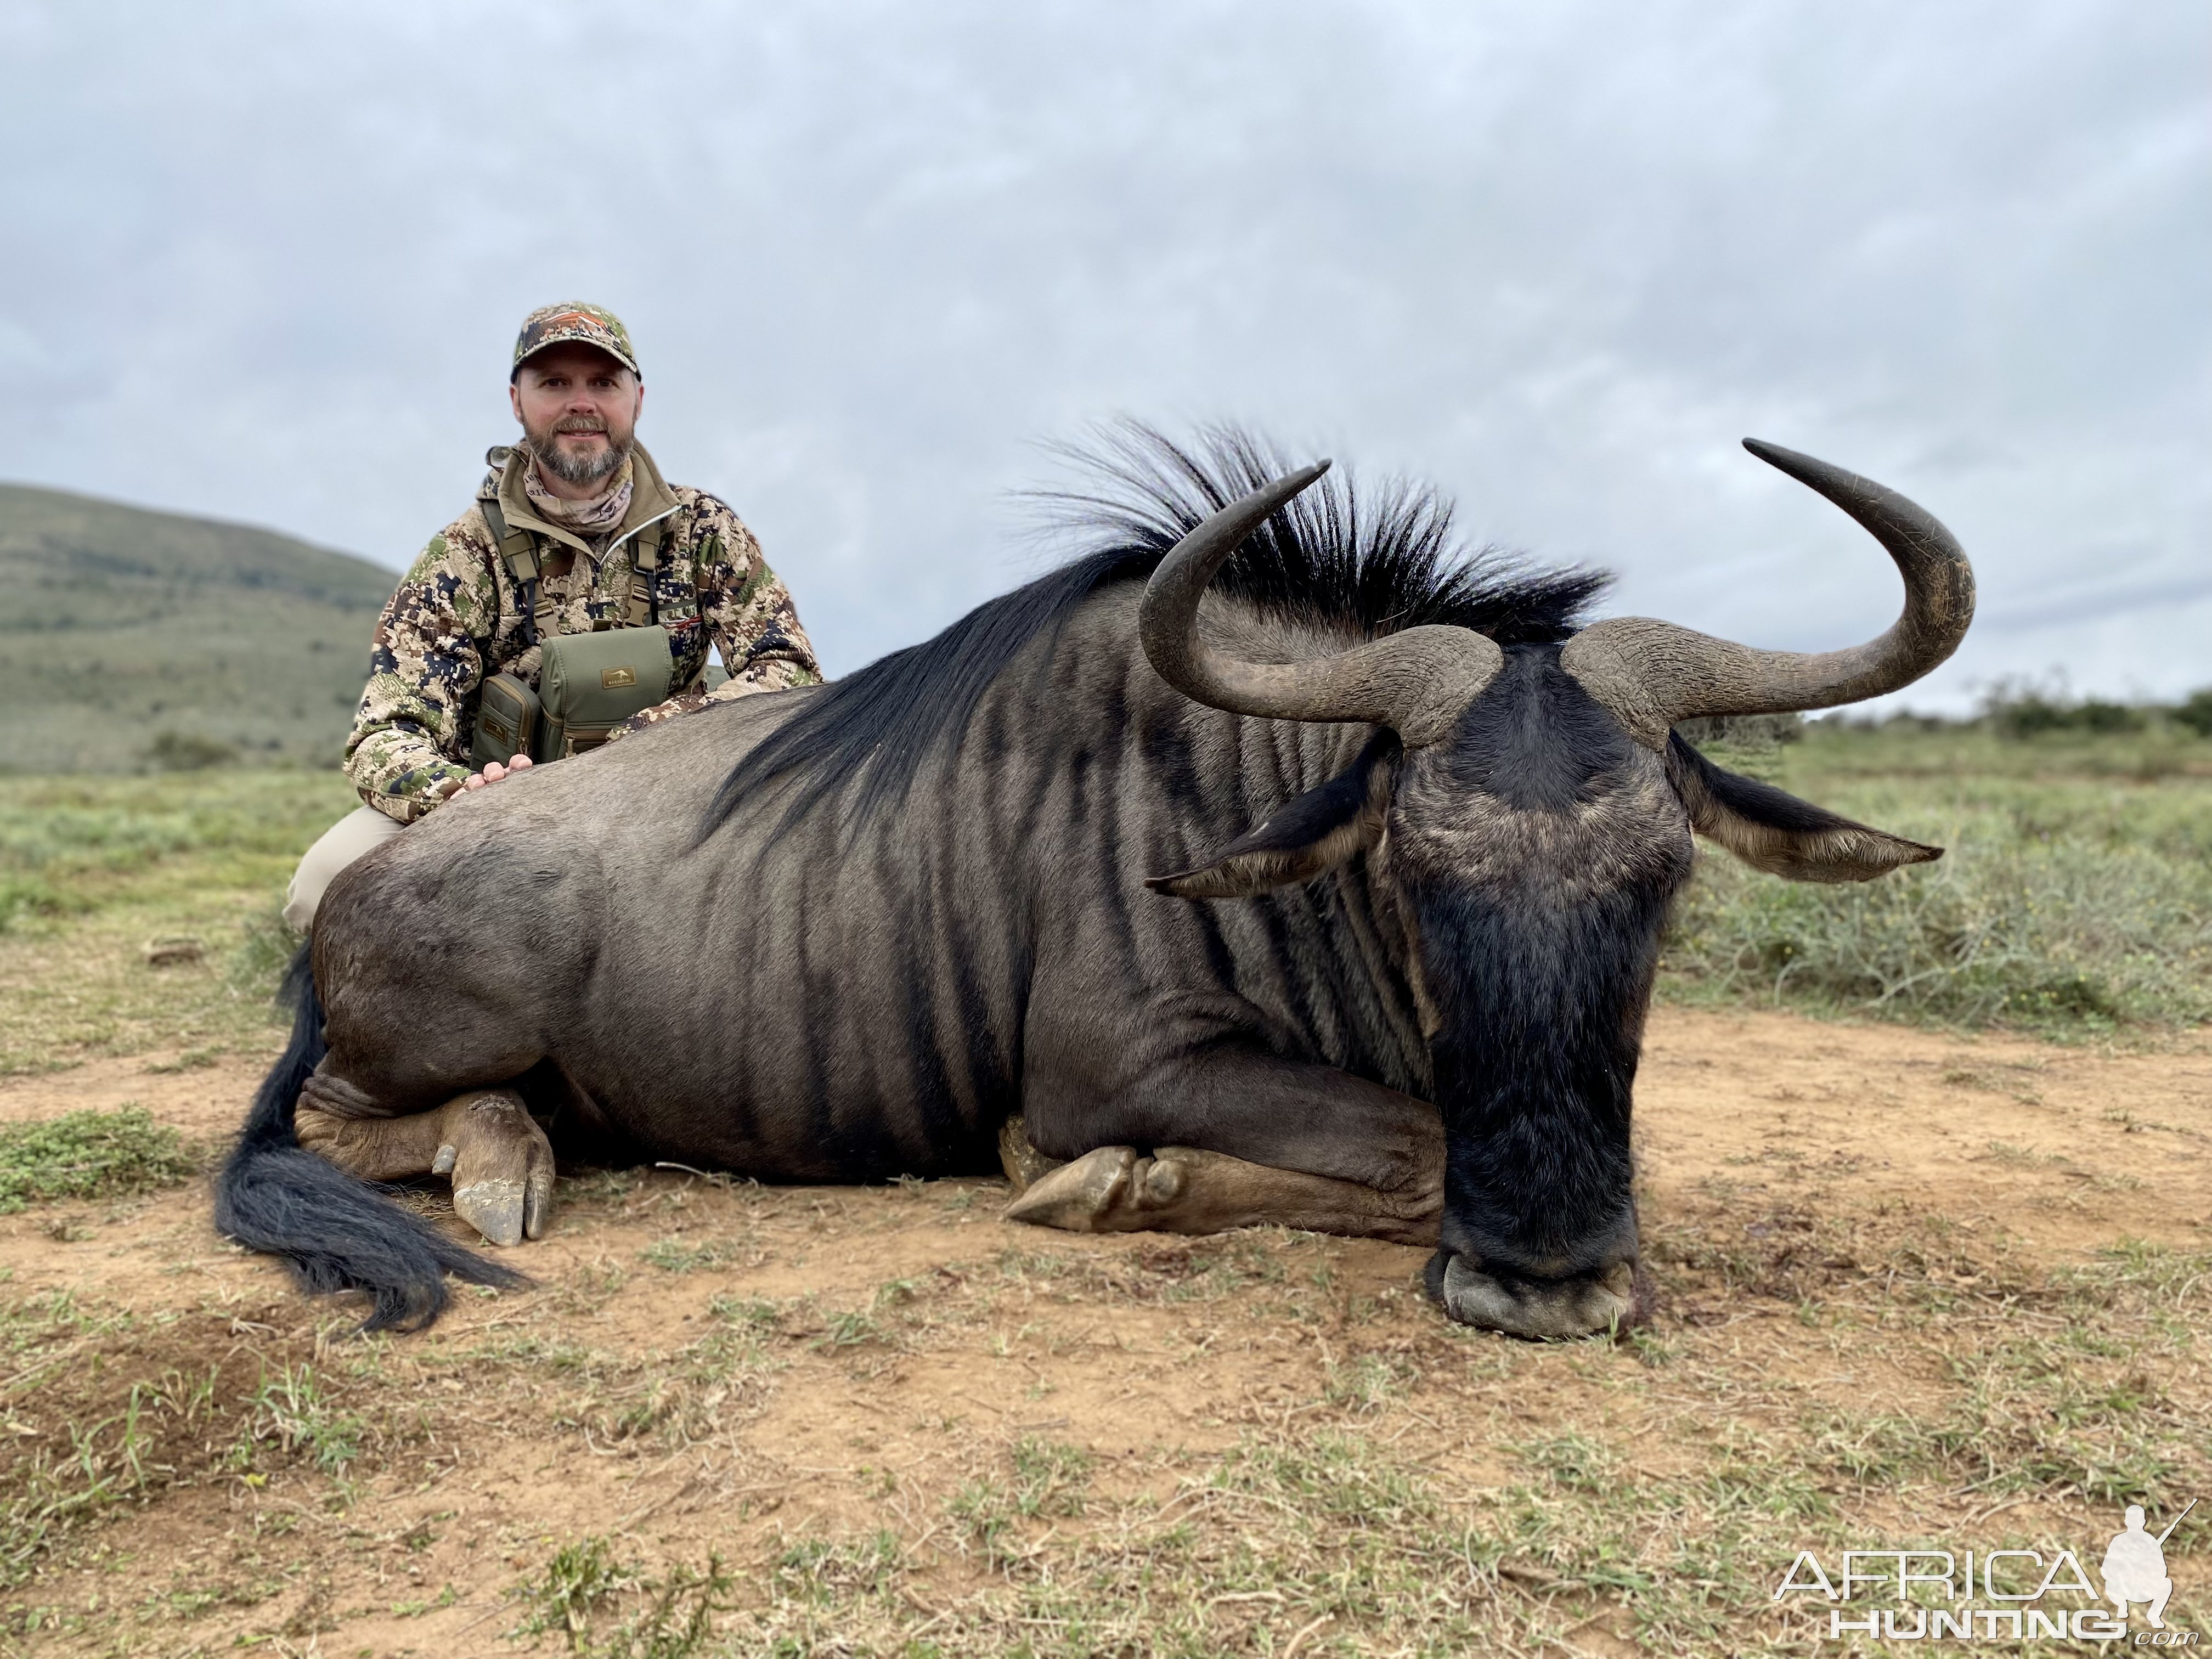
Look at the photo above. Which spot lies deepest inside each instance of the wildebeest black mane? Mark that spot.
(1380, 558)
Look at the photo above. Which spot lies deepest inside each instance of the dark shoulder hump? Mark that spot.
(1379, 558)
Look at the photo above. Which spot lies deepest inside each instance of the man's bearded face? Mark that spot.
(579, 408)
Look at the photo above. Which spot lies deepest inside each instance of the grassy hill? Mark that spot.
(133, 638)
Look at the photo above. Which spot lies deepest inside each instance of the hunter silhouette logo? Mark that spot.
(2003, 1595)
(2134, 1566)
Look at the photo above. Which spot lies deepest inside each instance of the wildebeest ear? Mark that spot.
(1774, 831)
(1308, 837)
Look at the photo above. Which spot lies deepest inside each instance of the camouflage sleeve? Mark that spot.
(748, 612)
(405, 751)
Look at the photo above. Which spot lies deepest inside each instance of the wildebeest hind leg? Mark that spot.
(1180, 1189)
(501, 1162)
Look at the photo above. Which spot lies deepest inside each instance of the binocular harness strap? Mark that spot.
(520, 549)
(644, 563)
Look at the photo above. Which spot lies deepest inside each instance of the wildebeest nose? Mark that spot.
(1487, 1240)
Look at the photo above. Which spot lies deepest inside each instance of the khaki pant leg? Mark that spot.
(359, 831)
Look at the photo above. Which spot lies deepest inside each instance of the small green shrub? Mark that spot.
(90, 1154)
(23, 896)
(2022, 710)
(188, 751)
(1050, 1477)
(264, 952)
(677, 1619)
(578, 1578)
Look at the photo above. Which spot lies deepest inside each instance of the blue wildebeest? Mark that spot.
(1269, 862)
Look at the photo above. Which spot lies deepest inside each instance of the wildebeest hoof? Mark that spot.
(1109, 1190)
(496, 1208)
(1538, 1309)
(1081, 1197)
(500, 1162)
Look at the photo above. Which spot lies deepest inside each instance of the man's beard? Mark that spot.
(582, 470)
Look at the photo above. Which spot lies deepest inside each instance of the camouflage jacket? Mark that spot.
(457, 618)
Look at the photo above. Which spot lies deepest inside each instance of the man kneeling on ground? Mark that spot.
(570, 506)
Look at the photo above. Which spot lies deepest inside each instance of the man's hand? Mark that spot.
(494, 772)
(491, 774)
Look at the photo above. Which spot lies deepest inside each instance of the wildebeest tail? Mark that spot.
(334, 1231)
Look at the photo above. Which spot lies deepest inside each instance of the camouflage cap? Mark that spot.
(573, 319)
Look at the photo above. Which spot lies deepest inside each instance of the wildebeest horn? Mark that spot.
(1416, 682)
(1652, 674)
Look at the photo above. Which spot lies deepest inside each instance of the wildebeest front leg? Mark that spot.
(1180, 1189)
(1239, 1138)
(501, 1162)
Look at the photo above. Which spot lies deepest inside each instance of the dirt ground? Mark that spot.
(1911, 1286)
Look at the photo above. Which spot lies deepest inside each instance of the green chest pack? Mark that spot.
(587, 683)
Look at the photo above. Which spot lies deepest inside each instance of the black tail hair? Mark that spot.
(334, 1231)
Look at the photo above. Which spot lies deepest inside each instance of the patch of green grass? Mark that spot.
(580, 1578)
(677, 1255)
(848, 1328)
(822, 1571)
(25, 898)
(982, 1512)
(675, 1614)
(293, 1412)
(1050, 1477)
(2072, 900)
(192, 1059)
(1363, 1383)
(52, 1491)
(1573, 1460)
(92, 867)
(49, 1496)
(91, 1154)
(755, 1311)
(678, 1618)
(1327, 1474)
(415, 1609)
(263, 951)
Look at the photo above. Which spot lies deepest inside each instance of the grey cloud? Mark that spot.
(1556, 256)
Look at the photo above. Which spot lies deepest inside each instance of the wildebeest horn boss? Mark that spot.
(1419, 835)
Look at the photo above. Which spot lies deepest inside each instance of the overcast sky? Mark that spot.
(266, 263)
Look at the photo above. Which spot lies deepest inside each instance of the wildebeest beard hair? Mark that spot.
(1377, 558)
(1543, 1015)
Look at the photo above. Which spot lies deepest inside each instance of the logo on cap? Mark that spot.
(574, 320)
